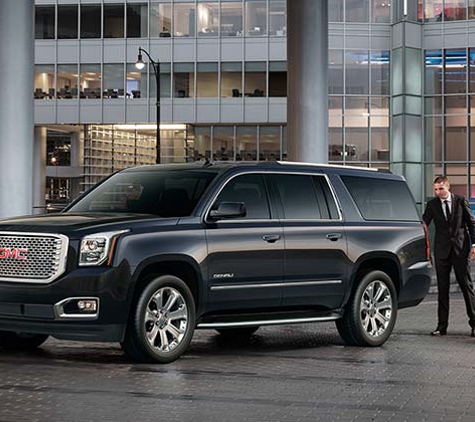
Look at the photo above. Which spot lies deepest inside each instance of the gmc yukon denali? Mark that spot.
(152, 253)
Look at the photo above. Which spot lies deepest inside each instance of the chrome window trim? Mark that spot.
(271, 173)
(62, 257)
(278, 284)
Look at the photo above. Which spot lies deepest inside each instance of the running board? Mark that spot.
(269, 321)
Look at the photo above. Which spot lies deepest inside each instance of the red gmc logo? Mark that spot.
(13, 253)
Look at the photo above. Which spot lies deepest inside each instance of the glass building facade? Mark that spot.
(397, 99)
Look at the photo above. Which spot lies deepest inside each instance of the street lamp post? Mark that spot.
(156, 69)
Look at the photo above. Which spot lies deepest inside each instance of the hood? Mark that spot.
(67, 223)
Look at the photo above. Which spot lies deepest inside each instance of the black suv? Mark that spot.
(151, 253)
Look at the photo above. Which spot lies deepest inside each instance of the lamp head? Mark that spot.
(139, 64)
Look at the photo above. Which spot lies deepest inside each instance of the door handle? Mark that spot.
(333, 236)
(271, 238)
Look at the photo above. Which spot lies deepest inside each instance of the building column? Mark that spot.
(16, 106)
(407, 144)
(39, 170)
(307, 97)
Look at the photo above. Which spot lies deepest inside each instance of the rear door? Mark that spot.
(316, 263)
(246, 255)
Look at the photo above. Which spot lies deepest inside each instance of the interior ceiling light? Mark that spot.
(150, 127)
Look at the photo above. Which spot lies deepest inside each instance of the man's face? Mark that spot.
(442, 190)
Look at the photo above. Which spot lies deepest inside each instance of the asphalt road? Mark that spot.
(288, 373)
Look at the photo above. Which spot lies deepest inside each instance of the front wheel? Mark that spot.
(162, 322)
(21, 341)
(371, 312)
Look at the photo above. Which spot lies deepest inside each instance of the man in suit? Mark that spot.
(453, 246)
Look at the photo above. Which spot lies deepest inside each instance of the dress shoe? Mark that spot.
(440, 332)
(472, 334)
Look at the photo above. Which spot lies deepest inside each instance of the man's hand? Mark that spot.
(472, 253)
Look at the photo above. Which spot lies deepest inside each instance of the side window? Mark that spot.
(251, 190)
(298, 195)
(382, 199)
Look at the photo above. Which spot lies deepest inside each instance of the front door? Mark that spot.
(246, 255)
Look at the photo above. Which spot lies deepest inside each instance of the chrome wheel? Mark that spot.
(166, 320)
(376, 307)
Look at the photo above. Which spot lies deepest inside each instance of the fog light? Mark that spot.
(87, 305)
(77, 308)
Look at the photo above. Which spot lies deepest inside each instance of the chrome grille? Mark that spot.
(32, 257)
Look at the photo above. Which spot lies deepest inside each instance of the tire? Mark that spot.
(235, 333)
(371, 313)
(21, 341)
(162, 321)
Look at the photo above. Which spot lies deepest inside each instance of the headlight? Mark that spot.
(97, 248)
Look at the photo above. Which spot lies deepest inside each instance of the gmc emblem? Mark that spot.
(13, 253)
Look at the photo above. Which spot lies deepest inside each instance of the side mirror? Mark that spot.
(228, 210)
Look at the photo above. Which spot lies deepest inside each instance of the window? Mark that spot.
(90, 21)
(433, 72)
(357, 10)
(455, 71)
(277, 18)
(44, 22)
(165, 81)
(136, 82)
(44, 81)
(255, 79)
(269, 143)
(184, 19)
(335, 12)
(208, 19)
(256, 18)
(381, 11)
(246, 143)
(207, 80)
(183, 80)
(223, 143)
(137, 17)
(298, 196)
(379, 199)
(357, 72)
(335, 71)
(114, 80)
(160, 20)
(231, 18)
(202, 144)
(90, 81)
(67, 21)
(249, 189)
(379, 72)
(113, 21)
(58, 149)
(231, 79)
(67, 81)
(277, 79)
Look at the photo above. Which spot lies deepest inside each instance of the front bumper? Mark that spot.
(31, 308)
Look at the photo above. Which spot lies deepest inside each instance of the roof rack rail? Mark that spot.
(337, 166)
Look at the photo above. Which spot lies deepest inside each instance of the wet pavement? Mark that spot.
(288, 373)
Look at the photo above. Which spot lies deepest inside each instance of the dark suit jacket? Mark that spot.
(459, 234)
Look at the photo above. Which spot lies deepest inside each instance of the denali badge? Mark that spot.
(13, 253)
(225, 275)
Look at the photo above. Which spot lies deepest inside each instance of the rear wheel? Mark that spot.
(242, 332)
(162, 321)
(371, 312)
(21, 341)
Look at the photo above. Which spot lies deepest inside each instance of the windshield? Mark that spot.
(163, 193)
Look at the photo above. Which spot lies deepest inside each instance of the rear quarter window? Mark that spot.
(382, 199)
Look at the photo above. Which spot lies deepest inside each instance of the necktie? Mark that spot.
(447, 210)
